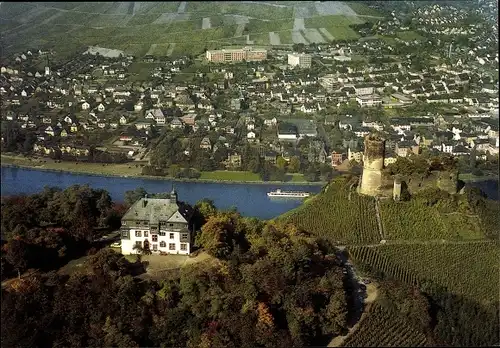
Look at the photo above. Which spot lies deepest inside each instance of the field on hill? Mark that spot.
(136, 26)
(333, 216)
(466, 269)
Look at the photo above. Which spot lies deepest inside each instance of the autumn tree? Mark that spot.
(216, 236)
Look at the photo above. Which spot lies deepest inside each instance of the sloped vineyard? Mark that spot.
(384, 329)
(332, 215)
(414, 220)
(463, 268)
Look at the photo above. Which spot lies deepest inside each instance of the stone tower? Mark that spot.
(373, 163)
(396, 191)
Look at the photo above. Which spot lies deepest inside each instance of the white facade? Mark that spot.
(300, 60)
(165, 241)
(160, 224)
(368, 100)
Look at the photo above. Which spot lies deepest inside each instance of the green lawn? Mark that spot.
(409, 36)
(91, 168)
(296, 177)
(230, 175)
(471, 177)
(343, 33)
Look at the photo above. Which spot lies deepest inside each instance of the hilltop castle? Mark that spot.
(374, 183)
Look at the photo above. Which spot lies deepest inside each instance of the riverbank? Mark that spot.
(131, 170)
(468, 177)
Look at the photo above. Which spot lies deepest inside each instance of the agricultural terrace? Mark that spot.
(363, 10)
(333, 216)
(414, 220)
(465, 269)
(254, 10)
(337, 26)
(383, 328)
(170, 28)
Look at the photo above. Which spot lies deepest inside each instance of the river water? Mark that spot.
(249, 199)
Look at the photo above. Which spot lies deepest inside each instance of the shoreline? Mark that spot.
(164, 178)
(480, 178)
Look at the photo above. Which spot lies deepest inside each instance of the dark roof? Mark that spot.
(287, 128)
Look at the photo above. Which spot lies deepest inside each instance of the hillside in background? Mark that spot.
(176, 28)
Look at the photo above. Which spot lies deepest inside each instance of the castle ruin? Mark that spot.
(374, 183)
(373, 164)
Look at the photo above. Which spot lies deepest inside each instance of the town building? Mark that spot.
(299, 59)
(158, 224)
(337, 158)
(236, 55)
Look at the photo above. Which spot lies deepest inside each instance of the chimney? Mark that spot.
(145, 201)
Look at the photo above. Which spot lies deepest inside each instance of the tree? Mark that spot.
(174, 171)
(281, 162)
(294, 165)
(206, 208)
(216, 236)
(133, 196)
(17, 255)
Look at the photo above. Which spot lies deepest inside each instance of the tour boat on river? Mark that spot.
(288, 194)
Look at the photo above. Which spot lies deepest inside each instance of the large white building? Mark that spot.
(157, 224)
(299, 59)
(236, 55)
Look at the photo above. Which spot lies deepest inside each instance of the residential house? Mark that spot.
(233, 160)
(270, 156)
(355, 155)
(50, 131)
(176, 123)
(337, 158)
(143, 125)
(270, 121)
(161, 225)
(403, 149)
(447, 147)
(206, 144)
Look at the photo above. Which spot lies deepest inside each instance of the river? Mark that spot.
(249, 199)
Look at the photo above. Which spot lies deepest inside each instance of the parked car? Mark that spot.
(116, 245)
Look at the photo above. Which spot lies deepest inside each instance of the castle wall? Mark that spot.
(448, 181)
